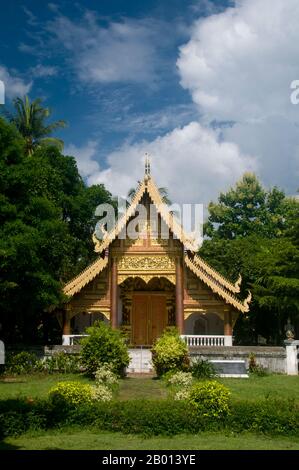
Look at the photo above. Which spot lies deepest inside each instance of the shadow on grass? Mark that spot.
(6, 446)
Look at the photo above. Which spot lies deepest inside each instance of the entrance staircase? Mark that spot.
(141, 361)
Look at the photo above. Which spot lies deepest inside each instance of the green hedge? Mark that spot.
(150, 417)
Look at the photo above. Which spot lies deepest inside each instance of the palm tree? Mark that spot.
(163, 193)
(29, 119)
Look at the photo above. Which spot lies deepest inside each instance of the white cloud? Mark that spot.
(41, 71)
(14, 86)
(122, 51)
(192, 162)
(238, 66)
(85, 157)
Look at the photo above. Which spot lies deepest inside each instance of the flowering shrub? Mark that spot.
(170, 353)
(105, 376)
(101, 393)
(71, 393)
(183, 394)
(210, 399)
(181, 379)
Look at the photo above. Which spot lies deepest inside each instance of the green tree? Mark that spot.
(254, 232)
(270, 269)
(247, 209)
(47, 217)
(30, 119)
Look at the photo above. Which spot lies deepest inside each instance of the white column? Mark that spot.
(291, 359)
(66, 340)
(228, 340)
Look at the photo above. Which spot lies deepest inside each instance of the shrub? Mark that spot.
(151, 417)
(66, 394)
(170, 353)
(210, 399)
(183, 394)
(61, 362)
(203, 369)
(21, 363)
(101, 393)
(105, 376)
(104, 346)
(181, 379)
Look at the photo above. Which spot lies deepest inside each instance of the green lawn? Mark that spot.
(274, 386)
(255, 387)
(34, 386)
(90, 440)
(148, 388)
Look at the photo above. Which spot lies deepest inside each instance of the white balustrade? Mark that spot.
(207, 340)
(68, 340)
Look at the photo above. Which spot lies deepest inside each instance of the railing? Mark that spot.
(68, 340)
(207, 340)
(191, 340)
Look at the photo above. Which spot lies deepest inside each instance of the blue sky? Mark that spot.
(202, 85)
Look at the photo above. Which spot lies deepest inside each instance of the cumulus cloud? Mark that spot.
(191, 161)
(85, 157)
(14, 86)
(238, 66)
(123, 51)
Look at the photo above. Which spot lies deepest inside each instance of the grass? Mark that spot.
(278, 386)
(68, 439)
(270, 386)
(275, 386)
(35, 386)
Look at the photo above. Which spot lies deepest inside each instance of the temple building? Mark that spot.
(146, 283)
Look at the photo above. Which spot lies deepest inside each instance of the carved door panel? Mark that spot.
(149, 317)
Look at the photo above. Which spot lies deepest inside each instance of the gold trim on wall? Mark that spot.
(145, 277)
(145, 263)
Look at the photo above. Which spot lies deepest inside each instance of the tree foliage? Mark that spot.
(247, 209)
(30, 120)
(254, 232)
(47, 217)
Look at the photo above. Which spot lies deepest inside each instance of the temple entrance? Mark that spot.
(149, 317)
(147, 309)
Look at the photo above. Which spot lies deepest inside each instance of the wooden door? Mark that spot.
(157, 317)
(140, 319)
(149, 317)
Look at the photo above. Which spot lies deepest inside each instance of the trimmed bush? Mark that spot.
(202, 369)
(170, 353)
(70, 394)
(210, 399)
(151, 417)
(104, 346)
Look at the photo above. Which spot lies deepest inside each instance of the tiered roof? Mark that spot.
(209, 276)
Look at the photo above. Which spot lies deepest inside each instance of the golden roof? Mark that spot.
(209, 276)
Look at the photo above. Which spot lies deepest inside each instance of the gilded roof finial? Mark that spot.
(147, 167)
